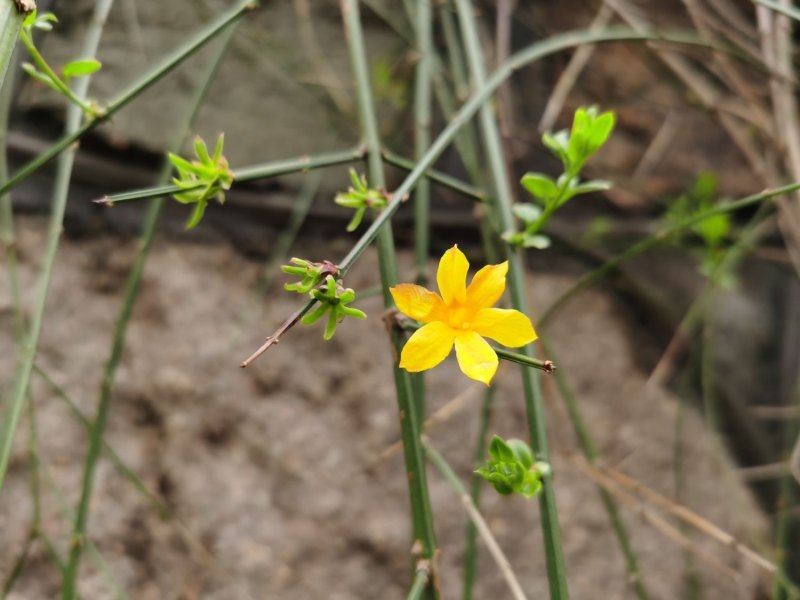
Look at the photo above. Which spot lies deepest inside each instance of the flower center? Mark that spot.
(458, 317)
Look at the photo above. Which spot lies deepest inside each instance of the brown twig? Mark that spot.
(689, 517)
(276, 337)
(638, 508)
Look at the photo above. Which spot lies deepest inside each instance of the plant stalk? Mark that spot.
(251, 173)
(421, 513)
(554, 554)
(96, 442)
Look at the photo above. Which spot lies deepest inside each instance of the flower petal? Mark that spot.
(452, 276)
(487, 285)
(429, 346)
(415, 301)
(508, 327)
(476, 357)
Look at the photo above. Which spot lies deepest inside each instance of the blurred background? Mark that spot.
(280, 481)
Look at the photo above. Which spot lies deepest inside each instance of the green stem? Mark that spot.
(554, 554)
(154, 75)
(422, 134)
(60, 193)
(252, 173)
(476, 485)
(455, 184)
(57, 83)
(589, 450)
(117, 345)
(7, 236)
(10, 20)
(122, 468)
(421, 578)
(421, 514)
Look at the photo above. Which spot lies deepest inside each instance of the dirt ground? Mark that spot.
(271, 473)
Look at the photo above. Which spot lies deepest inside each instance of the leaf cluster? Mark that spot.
(203, 179)
(360, 197)
(333, 300)
(590, 131)
(41, 71)
(511, 468)
(311, 274)
(713, 230)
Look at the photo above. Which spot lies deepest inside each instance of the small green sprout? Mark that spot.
(590, 130)
(311, 273)
(713, 230)
(511, 468)
(333, 299)
(43, 72)
(361, 197)
(203, 179)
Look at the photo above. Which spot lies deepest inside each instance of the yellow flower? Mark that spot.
(462, 316)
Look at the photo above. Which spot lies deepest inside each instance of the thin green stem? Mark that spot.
(96, 439)
(122, 468)
(251, 173)
(154, 75)
(7, 236)
(421, 578)
(10, 21)
(422, 134)
(34, 529)
(448, 181)
(57, 83)
(94, 554)
(421, 514)
(476, 486)
(554, 554)
(589, 451)
(524, 359)
(60, 193)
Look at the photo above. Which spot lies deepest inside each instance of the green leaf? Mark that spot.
(557, 143)
(531, 485)
(197, 215)
(522, 452)
(587, 187)
(218, 150)
(43, 77)
(536, 240)
(358, 182)
(601, 129)
(79, 68)
(201, 150)
(540, 186)
(499, 450)
(356, 220)
(29, 19)
(713, 229)
(315, 315)
(526, 211)
(330, 326)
